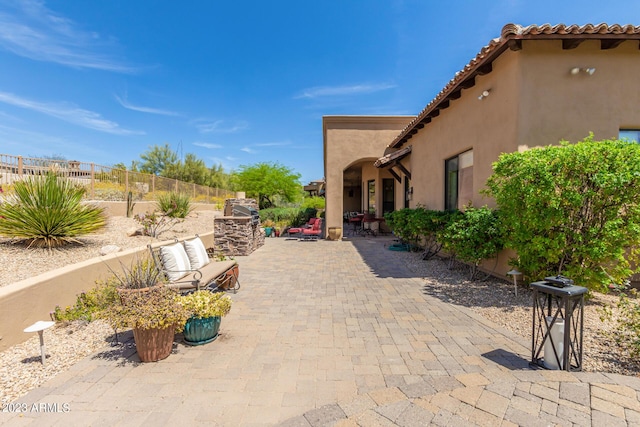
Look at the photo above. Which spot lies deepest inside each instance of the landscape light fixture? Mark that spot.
(577, 70)
(484, 94)
(514, 273)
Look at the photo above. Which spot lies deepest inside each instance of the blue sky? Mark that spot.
(237, 83)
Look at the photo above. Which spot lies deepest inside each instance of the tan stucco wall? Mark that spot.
(140, 207)
(534, 100)
(24, 303)
(347, 141)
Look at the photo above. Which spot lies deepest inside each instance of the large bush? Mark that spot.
(174, 205)
(473, 236)
(47, 211)
(572, 209)
(419, 227)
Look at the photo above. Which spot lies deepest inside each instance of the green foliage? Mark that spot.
(293, 217)
(264, 181)
(419, 227)
(88, 304)
(314, 202)
(174, 205)
(142, 273)
(627, 331)
(203, 304)
(473, 235)
(158, 159)
(47, 211)
(572, 209)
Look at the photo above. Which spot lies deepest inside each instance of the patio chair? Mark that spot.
(314, 232)
(298, 230)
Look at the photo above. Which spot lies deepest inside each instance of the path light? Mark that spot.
(515, 273)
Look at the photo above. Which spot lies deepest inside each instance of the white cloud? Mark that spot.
(248, 150)
(358, 89)
(272, 144)
(69, 113)
(207, 145)
(220, 126)
(31, 30)
(126, 104)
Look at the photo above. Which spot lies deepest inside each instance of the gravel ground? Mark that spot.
(21, 371)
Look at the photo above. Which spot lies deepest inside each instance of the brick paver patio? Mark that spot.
(334, 333)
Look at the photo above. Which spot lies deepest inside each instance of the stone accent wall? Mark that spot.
(235, 236)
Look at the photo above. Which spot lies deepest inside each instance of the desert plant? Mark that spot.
(154, 223)
(88, 304)
(142, 273)
(159, 308)
(572, 209)
(130, 204)
(202, 304)
(47, 211)
(174, 205)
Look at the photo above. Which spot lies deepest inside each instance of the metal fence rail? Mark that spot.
(104, 182)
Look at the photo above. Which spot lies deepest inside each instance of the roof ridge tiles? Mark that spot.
(510, 32)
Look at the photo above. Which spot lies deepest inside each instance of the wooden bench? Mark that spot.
(214, 276)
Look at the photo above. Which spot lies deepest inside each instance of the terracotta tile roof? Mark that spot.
(391, 157)
(511, 37)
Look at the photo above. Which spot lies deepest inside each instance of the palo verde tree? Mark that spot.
(264, 181)
(572, 209)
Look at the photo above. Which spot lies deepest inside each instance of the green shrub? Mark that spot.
(314, 202)
(572, 209)
(473, 236)
(174, 205)
(47, 211)
(419, 227)
(88, 304)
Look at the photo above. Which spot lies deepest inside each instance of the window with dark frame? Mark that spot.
(371, 199)
(458, 181)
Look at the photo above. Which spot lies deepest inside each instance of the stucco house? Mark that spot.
(532, 86)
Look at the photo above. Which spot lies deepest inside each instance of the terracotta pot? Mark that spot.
(229, 280)
(154, 344)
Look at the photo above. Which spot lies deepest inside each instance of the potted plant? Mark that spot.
(268, 227)
(206, 310)
(152, 310)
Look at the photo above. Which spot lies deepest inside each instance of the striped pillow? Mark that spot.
(175, 261)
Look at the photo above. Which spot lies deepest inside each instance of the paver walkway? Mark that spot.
(334, 333)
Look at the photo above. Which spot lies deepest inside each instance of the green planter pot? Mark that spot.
(201, 331)
(267, 231)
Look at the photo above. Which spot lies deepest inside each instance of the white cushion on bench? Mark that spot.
(175, 261)
(196, 252)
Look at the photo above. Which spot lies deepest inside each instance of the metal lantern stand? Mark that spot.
(558, 320)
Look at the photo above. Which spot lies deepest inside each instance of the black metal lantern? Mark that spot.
(558, 321)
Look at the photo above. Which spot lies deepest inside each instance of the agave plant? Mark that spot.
(47, 211)
(175, 205)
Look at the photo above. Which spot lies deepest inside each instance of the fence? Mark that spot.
(104, 182)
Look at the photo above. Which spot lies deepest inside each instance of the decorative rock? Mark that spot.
(109, 249)
(134, 232)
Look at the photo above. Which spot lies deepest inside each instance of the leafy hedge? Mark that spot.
(572, 209)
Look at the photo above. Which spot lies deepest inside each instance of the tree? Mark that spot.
(158, 159)
(572, 209)
(266, 180)
(191, 169)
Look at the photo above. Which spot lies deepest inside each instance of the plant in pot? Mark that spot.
(206, 310)
(268, 227)
(152, 310)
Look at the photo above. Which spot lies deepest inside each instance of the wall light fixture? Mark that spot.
(484, 94)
